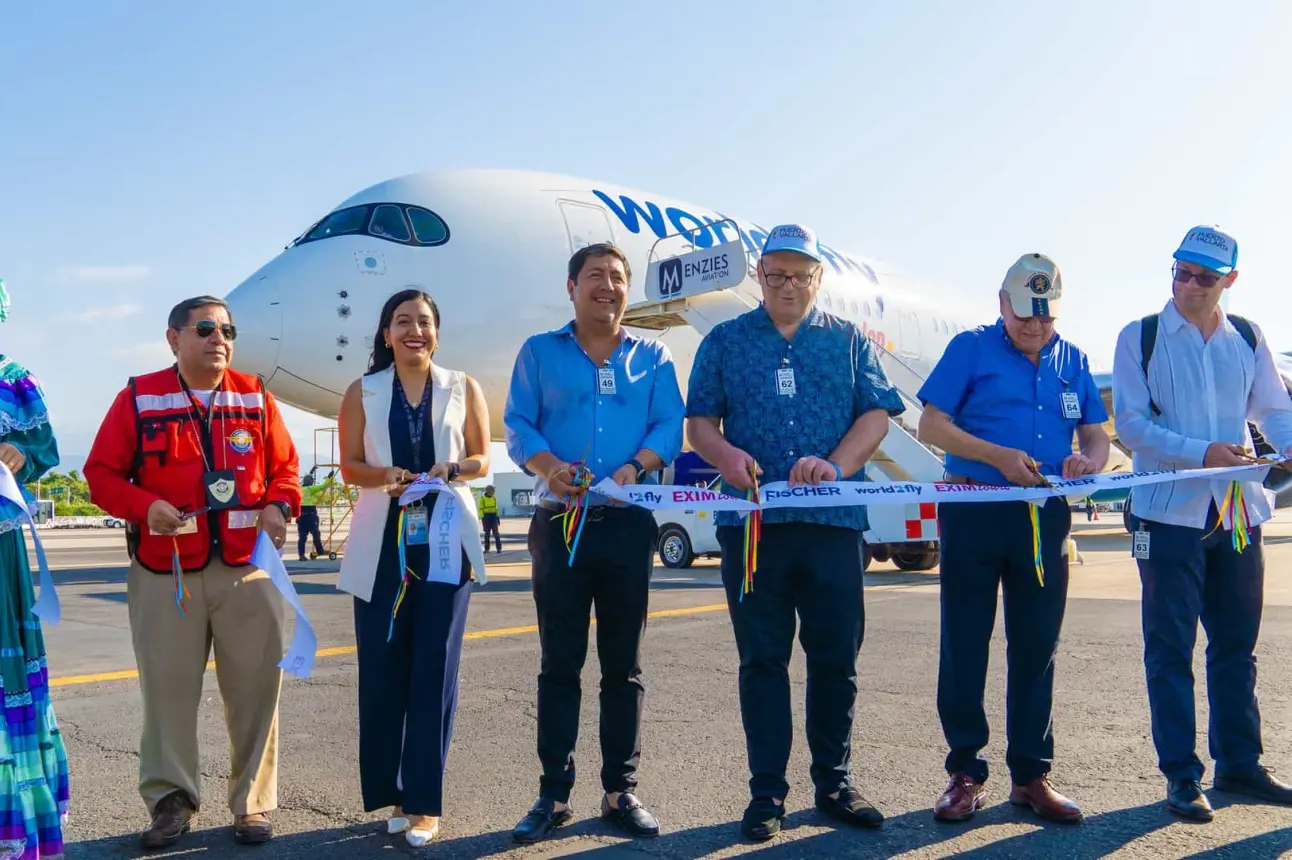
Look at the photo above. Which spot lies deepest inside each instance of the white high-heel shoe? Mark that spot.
(398, 824)
(417, 837)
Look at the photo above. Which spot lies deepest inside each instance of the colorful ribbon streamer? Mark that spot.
(576, 510)
(177, 575)
(403, 577)
(753, 534)
(1234, 504)
(1034, 514)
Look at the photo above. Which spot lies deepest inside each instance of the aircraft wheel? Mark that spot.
(331, 556)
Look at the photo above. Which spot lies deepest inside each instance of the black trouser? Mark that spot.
(1187, 578)
(986, 547)
(307, 524)
(489, 525)
(817, 571)
(612, 569)
(408, 687)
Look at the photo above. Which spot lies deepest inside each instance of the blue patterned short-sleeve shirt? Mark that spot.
(739, 375)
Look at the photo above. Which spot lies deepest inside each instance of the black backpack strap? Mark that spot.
(1148, 340)
(1244, 327)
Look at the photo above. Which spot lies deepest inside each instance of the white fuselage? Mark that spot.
(307, 318)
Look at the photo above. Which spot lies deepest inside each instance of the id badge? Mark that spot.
(785, 382)
(243, 519)
(1139, 544)
(221, 490)
(1071, 404)
(417, 526)
(605, 380)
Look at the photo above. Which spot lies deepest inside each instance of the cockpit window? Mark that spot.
(339, 223)
(429, 227)
(388, 223)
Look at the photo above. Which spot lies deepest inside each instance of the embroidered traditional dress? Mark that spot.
(33, 760)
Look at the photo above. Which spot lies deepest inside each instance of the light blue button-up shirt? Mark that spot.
(558, 402)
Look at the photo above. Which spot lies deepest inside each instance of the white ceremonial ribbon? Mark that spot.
(833, 494)
(46, 607)
(299, 659)
(445, 528)
(659, 497)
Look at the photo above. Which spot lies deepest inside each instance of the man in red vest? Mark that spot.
(197, 460)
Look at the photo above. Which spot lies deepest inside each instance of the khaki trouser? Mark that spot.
(243, 615)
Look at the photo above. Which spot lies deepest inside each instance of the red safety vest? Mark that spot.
(158, 441)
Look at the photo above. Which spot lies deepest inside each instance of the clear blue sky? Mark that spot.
(151, 151)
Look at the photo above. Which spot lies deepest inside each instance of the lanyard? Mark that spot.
(210, 414)
(415, 418)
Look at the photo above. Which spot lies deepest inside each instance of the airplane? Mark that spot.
(491, 245)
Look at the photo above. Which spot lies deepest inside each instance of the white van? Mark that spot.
(907, 537)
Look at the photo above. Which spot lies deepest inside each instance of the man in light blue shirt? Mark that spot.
(591, 394)
(1210, 374)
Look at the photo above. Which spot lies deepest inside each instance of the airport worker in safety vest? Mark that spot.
(1198, 542)
(587, 402)
(489, 522)
(197, 460)
(788, 392)
(1005, 402)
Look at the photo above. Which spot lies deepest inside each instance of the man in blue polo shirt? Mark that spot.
(591, 394)
(1004, 403)
(796, 394)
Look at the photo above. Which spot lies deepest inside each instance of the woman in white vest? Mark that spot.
(406, 417)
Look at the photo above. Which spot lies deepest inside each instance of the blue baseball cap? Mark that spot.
(1208, 246)
(792, 237)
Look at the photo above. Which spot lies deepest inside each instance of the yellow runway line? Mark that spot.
(100, 677)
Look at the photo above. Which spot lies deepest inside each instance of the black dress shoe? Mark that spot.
(1257, 783)
(541, 820)
(1184, 797)
(762, 819)
(850, 808)
(629, 815)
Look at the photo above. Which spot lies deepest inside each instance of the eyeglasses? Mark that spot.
(1206, 280)
(206, 328)
(776, 281)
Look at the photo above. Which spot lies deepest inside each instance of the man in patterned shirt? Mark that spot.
(790, 392)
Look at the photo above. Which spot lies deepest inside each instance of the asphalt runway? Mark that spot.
(693, 772)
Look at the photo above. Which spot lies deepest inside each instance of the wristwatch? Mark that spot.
(285, 508)
(641, 470)
(454, 471)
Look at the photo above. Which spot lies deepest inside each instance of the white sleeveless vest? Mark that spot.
(367, 527)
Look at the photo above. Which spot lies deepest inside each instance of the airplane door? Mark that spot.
(585, 224)
(909, 328)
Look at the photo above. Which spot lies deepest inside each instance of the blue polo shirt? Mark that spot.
(557, 402)
(994, 392)
(836, 378)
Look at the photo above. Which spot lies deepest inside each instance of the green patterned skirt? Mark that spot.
(33, 760)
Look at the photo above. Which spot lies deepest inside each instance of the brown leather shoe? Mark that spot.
(253, 829)
(1045, 801)
(961, 800)
(171, 820)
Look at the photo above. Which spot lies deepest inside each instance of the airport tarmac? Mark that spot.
(693, 769)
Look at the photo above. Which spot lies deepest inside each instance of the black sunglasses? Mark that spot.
(206, 328)
(1205, 280)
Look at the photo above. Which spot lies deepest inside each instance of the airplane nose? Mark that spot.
(255, 309)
